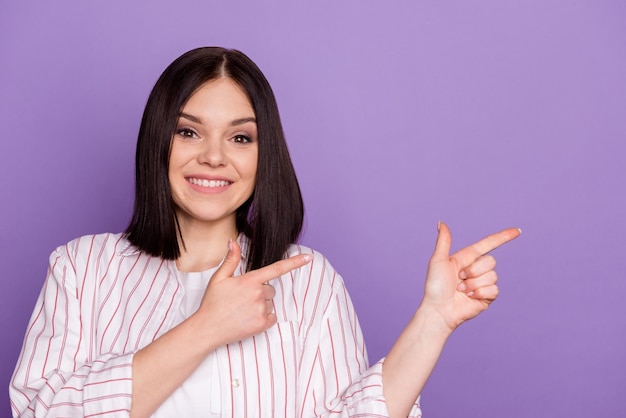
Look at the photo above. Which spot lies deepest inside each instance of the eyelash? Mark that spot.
(187, 133)
(241, 139)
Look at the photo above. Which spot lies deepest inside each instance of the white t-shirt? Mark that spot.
(202, 388)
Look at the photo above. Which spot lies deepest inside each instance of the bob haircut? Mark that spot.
(273, 215)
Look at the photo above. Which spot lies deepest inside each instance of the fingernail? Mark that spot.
(307, 257)
(520, 230)
(470, 293)
(463, 275)
(462, 287)
(438, 225)
(230, 244)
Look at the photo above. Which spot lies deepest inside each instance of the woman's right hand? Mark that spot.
(232, 309)
(241, 306)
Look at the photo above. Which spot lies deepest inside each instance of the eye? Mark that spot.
(241, 139)
(187, 133)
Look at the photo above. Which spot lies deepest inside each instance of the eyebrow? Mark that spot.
(241, 121)
(235, 122)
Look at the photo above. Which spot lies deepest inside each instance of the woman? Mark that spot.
(205, 306)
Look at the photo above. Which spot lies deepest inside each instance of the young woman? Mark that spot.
(205, 306)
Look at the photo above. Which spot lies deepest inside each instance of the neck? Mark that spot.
(206, 245)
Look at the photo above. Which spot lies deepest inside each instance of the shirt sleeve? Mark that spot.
(55, 375)
(339, 381)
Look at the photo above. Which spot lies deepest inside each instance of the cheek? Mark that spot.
(175, 191)
(171, 176)
(253, 171)
(174, 177)
(178, 158)
(249, 166)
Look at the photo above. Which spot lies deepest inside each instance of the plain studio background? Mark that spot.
(482, 114)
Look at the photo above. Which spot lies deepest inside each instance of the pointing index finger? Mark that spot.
(471, 253)
(280, 267)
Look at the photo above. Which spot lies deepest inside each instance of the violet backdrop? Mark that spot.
(484, 114)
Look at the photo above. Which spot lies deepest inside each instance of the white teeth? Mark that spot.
(209, 183)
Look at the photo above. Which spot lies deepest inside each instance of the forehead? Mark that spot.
(222, 94)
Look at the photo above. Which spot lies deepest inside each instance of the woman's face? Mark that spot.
(214, 153)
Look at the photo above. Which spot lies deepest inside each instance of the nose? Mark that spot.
(212, 153)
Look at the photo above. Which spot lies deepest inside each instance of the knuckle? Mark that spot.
(270, 320)
(258, 293)
(470, 270)
(490, 292)
(490, 278)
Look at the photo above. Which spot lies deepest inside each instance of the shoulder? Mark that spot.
(96, 242)
(89, 262)
(319, 271)
(318, 258)
(94, 247)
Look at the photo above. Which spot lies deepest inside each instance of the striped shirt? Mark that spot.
(103, 300)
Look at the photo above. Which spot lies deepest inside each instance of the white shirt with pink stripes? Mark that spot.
(103, 300)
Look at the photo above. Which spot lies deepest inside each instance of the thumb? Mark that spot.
(444, 242)
(231, 261)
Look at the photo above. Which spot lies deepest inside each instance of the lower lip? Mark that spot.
(216, 189)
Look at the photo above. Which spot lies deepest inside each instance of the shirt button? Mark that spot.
(235, 383)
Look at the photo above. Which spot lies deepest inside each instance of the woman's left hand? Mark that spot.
(462, 285)
(458, 287)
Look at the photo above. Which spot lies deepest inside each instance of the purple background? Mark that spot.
(482, 114)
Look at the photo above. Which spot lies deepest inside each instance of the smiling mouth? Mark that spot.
(208, 183)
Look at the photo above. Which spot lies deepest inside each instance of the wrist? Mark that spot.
(432, 321)
(203, 333)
